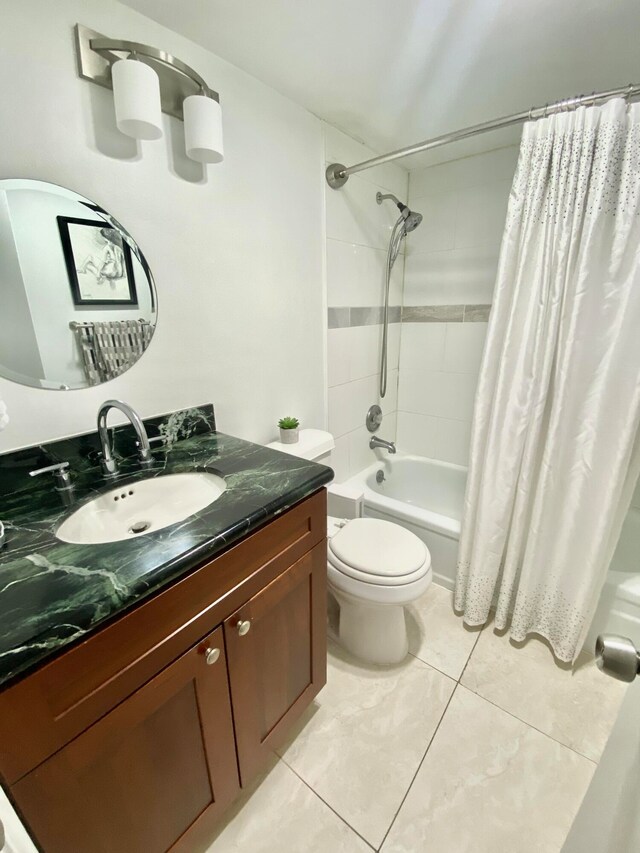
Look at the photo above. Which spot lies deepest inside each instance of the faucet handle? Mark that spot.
(59, 466)
(60, 471)
(155, 439)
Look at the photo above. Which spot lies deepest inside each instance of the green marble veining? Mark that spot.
(53, 593)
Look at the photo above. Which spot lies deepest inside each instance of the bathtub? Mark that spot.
(423, 495)
(618, 610)
(426, 496)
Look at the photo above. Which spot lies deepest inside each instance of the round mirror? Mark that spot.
(77, 299)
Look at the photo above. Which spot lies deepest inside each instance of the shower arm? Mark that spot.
(380, 197)
(404, 210)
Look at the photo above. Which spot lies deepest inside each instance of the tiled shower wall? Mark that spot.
(450, 269)
(358, 231)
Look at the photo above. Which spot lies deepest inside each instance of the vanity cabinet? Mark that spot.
(145, 773)
(149, 757)
(276, 658)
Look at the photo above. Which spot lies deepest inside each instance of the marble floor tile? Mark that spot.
(282, 814)
(362, 742)
(490, 784)
(437, 635)
(575, 706)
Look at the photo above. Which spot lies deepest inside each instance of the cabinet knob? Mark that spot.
(243, 627)
(211, 655)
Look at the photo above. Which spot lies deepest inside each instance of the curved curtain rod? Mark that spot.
(338, 174)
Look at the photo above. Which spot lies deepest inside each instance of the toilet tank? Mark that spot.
(313, 444)
(344, 502)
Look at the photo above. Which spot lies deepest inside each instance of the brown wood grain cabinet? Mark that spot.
(154, 770)
(277, 658)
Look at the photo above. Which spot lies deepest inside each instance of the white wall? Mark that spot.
(439, 367)
(358, 231)
(454, 256)
(236, 250)
(450, 270)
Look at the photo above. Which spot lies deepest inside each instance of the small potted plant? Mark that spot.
(288, 430)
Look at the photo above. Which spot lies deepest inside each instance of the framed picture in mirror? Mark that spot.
(98, 262)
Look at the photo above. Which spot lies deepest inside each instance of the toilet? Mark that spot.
(374, 569)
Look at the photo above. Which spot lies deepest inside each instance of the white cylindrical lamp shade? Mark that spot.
(203, 129)
(136, 96)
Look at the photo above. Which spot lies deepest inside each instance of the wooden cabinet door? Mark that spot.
(151, 775)
(277, 651)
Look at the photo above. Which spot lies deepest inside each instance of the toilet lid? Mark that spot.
(378, 548)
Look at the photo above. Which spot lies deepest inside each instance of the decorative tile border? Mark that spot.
(433, 314)
(371, 315)
(476, 313)
(338, 318)
(445, 313)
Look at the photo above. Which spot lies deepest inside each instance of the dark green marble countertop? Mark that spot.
(53, 593)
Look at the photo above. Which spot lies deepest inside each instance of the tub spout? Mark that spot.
(380, 442)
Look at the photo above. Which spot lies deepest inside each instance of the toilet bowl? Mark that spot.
(374, 569)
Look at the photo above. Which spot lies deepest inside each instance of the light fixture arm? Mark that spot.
(96, 53)
(109, 49)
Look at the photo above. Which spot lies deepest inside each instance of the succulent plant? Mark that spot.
(288, 423)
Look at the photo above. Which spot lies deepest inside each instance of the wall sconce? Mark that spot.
(147, 81)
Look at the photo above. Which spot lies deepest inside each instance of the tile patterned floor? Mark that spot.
(472, 744)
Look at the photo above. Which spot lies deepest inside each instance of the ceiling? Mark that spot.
(393, 72)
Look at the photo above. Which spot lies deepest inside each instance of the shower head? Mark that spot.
(411, 220)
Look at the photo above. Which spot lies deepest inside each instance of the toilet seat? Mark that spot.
(378, 552)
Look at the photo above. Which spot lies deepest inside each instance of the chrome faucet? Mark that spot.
(380, 442)
(109, 465)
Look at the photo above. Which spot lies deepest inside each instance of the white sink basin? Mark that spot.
(142, 507)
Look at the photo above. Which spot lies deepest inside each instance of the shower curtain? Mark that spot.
(555, 451)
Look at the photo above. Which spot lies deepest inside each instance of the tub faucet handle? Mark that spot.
(374, 418)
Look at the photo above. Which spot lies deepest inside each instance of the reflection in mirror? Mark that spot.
(77, 299)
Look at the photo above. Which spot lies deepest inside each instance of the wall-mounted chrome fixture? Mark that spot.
(374, 418)
(147, 81)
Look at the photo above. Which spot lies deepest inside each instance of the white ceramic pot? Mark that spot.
(289, 436)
